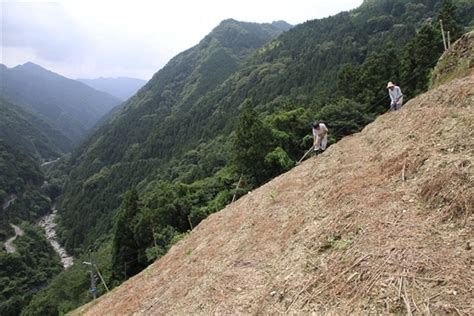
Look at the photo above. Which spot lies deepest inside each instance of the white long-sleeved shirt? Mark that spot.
(395, 94)
(321, 130)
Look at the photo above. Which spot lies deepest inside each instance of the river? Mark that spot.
(49, 225)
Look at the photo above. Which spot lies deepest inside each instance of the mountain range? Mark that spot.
(67, 105)
(221, 119)
(367, 227)
(121, 87)
(179, 126)
(159, 107)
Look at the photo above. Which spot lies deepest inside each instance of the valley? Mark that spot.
(48, 223)
(189, 193)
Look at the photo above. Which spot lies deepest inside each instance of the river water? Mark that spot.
(49, 225)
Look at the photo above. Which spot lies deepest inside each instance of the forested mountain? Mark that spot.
(67, 105)
(157, 107)
(23, 199)
(178, 126)
(121, 88)
(237, 105)
(30, 134)
(27, 261)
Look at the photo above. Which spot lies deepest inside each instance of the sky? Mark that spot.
(134, 38)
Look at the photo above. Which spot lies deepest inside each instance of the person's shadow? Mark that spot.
(317, 152)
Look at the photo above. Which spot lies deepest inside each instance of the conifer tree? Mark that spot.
(125, 249)
(419, 57)
(251, 145)
(448, 15)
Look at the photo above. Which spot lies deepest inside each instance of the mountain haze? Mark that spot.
(68, 105)
(121, 87)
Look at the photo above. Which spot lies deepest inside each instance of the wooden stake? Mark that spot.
(236, 188)
(403, 170)
(190, 223)
(101, 278)
(442, 33)
(406, 300)
(449, 40)
(154, 240)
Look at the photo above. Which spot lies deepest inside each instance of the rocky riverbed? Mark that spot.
(49, 225)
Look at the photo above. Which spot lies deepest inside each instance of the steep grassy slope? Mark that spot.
(382, 222)
(459, 62)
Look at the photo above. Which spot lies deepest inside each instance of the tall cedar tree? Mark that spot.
(448, 15)
(125, 248)
(420, 55)
(252, 143)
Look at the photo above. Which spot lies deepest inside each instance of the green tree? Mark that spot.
(376, 70)
(251, 145)
(125, 249)
(343, 117)
(278, 161)
(419, 57)
(448, 15)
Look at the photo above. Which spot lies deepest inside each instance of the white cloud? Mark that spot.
(92, 38)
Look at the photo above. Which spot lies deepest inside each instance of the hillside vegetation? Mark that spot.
(381, 223)
(104, 167)
(68, 105)
(23, 200)
(30, 134)
(179, 128)
(121, 88)
(234, 109)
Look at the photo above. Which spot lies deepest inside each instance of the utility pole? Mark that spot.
(91, 271)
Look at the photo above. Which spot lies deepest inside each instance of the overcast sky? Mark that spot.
(135, 38)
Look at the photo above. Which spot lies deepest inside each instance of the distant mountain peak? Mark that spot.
(282, 25)
(67, 105)
(31, 65)
(34, 69)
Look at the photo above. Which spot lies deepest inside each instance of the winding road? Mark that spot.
(9, 243)
(49, 162)
(18, 231)
(9, 202)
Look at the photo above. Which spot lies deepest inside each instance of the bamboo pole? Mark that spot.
(442, 33)
(236, 188)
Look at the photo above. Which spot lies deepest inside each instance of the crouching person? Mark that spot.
(320, 137)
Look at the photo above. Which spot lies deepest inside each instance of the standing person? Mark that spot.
(320, 136)
(396, 96)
